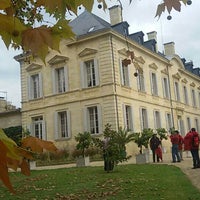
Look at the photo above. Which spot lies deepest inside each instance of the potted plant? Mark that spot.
(142, 141)
(81, 152)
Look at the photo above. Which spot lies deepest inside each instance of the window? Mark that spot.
(177, 92)
(157, 120)
(188, 123)
(140, 81)
(93, 119)
(124, 74)
(166, 88)
(181, 125)
(196, 121)
(154, 86)
(193, 98)
(60, 80)
(169, 123)
(38, 128)
(143, 118)
(89, 74)
(128, 121)
(62, 125)
(185, 95)
(35, 86)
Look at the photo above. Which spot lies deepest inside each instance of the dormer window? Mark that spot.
(91, 29)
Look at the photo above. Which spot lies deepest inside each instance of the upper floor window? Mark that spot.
(35, 86)
(128, 121)
(157, 119)
(38, 128)
(143, 118)
(185, 95)
(62, 125)
(177, 92)
(188, 123)
(154, 86)
(140, 81)
(193, 98)
(92, 119)
(166, 88)
(60, 80)
(124, 74)
(89, 73)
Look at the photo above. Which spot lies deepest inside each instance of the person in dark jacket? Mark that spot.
(193, 148)
(154, 144)
(174, 137)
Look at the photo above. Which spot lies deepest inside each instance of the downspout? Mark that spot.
(114, 80)
(170, 98)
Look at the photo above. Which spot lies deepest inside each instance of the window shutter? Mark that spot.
(40, 85)
(96, 67)
(66, 78)
(85, 120)
(82, 71)
(100, 118)
(56, 135)
(29, 89)
(121, 71)
(44, 135)
(69, 123)
(132, 119)
(54, 81)
(124, 115)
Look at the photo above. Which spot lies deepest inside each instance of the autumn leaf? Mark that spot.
(173, 4)
(4, 4)
(37, 145)
(160, 10)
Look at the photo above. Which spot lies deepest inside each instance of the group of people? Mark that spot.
(179, 144)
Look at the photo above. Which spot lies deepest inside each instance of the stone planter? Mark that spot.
(83, 161)
(142, 158)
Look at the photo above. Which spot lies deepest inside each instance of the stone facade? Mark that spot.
(86, 86)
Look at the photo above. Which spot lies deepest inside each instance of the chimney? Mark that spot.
(115, 15)
(169, 48)
(153, 36)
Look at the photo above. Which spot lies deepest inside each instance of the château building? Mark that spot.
(87, 84)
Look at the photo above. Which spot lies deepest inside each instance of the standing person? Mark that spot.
(175, 142)
(191, 142)
(154, 144)
(180, 145)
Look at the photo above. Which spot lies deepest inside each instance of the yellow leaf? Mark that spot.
(4, 4)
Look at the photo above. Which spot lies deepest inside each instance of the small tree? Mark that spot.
(142, 138)
(162, 134)
(84, 142)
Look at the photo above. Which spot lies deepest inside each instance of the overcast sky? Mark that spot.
(183, 30)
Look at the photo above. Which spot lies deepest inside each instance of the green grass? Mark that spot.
(139, 182)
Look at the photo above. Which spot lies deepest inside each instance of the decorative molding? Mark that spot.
(192, 84)
(140, 59)
(179, 110)
(87, 51)
(153, 66)
(177, 76)
(123, 51)
(33, 66)
(137, 66)
(198, 88)
(164, 71)
(57, 59)
(184, 80)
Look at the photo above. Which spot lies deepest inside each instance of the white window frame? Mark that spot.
(35, 86)
(177, 91)
(169, 122)
(93, 119)
(193, 97)
(185, 95)
(165, 83)
(181, 126)
(157, 119)
(38, 128)
(60, 83)
(140, 81)
(154, 85)
(189, 126)
(125, 78)
(143, 118)
(62, 130)
(128, 117)
(89, 73)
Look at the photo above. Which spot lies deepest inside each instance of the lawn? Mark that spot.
(139, 182)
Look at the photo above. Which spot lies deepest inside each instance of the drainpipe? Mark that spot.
(170, 97)
(114, 80)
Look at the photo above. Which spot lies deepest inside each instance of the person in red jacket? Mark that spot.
(191, 143)
(175, 142)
